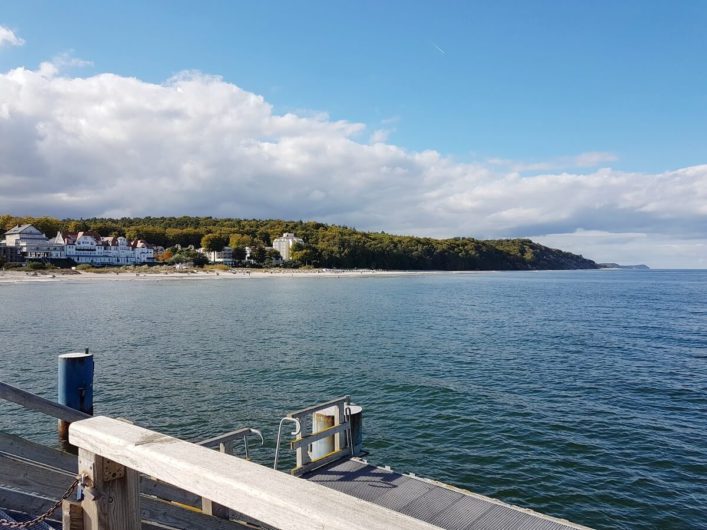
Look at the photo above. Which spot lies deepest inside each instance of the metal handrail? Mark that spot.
(245, 440)
(223, 439)
(279, 431)
(349, 435)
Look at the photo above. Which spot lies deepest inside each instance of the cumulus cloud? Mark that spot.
(9, 38)
(108, 145)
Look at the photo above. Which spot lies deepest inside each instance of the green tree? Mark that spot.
(213, 243)
(305, 254)
(184, 236)
(272, 255)
(200, 260)
(257, 253)
(238, 253)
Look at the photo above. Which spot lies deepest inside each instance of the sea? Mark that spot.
(579, 394)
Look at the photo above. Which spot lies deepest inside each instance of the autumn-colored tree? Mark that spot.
(49, 226)
(165, 256)
(240, 240)
(77, 226)
(7, 222)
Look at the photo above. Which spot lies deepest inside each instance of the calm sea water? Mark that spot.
(580, 394)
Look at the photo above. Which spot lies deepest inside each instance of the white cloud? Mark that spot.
(379, 136)
(112, 145)
(61, 63)
(594, 159)
(654, 249)
(9, 38)
(583, 160)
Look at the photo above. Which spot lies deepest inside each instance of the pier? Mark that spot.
(132, 477)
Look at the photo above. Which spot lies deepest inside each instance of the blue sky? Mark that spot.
(528, 87)
(518, 80)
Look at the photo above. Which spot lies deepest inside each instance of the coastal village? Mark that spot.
(25, 243)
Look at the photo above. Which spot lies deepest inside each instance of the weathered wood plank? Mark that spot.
(33, 453)
(39, 404)
(71, 515)
(164, 513)
(162, 490)
(43, 481)
(157, 515)
(262, 493)
(12, 499)
(19, 447)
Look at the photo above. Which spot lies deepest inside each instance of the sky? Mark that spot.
(581, 125)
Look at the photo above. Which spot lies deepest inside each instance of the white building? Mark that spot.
(284, 244)
(225, 256)
(33, 244)
(91, 248)
(83, 247)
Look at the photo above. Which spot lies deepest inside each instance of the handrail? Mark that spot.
(33, 402)
(314, 408)
(225, 441)
(266, 495)
(279, 433)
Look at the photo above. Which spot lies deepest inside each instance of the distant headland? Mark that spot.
(617, 266)
(254, 243)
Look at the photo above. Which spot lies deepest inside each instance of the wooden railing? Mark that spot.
(33, 402)
(112, 453)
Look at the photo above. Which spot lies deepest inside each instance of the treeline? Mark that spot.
(329, 246)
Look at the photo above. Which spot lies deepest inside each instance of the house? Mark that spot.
(91, 248)
(224, 256)
(284, 244)
(33, 244)
(81, 247)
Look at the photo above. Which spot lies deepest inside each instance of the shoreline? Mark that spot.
(53, 276)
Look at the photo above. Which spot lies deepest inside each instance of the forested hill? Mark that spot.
(327, 245)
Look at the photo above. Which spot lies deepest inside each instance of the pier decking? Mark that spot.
(430, 501)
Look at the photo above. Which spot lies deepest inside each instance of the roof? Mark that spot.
(21, 228)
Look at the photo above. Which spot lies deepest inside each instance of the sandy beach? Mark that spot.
(22, 276)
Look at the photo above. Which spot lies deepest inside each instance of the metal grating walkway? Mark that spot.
(430, 501)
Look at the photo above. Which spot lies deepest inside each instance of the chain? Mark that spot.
(13, 524)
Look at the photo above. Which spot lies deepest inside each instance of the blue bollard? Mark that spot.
(75, 386)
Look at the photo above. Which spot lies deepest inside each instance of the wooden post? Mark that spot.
(71, 515)
(209, 507)
(75, 389)
(112, 495)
